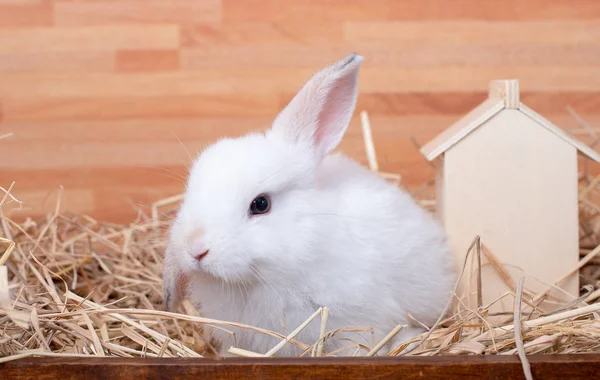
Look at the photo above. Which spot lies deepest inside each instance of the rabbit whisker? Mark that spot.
(184, 148)
(166, 171)
(242, 283)
(337, 215)
(271, 175)
(264, 281)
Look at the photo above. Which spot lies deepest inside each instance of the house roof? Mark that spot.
(503, 94)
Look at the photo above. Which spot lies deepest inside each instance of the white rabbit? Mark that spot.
(274, 226)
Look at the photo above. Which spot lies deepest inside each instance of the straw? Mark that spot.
(385, 340)
(369, 145)
(517, 327)
(370, 150)
(324, 316)
(297, 331)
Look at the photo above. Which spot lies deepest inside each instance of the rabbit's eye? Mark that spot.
(260, 205)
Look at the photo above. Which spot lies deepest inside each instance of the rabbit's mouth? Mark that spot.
(228, 272)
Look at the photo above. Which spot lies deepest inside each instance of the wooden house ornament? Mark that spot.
(510, 176)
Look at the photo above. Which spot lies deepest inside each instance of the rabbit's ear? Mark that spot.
(321, 111)
(175, 283)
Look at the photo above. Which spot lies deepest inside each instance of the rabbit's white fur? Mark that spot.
(337, 234)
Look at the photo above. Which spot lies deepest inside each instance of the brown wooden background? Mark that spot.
(95, 91)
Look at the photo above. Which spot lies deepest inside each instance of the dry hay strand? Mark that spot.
(74, 286)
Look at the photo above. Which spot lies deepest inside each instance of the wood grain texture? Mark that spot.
(98, 93)
(455, 367)
(85, 38)
(147, 60)
(145, 11)
(23, 14)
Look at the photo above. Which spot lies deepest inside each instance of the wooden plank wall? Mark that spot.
(98, 92)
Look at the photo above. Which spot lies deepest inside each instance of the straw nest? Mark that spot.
(72, 285)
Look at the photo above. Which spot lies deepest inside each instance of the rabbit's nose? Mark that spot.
(200, 256)
(199, 248)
